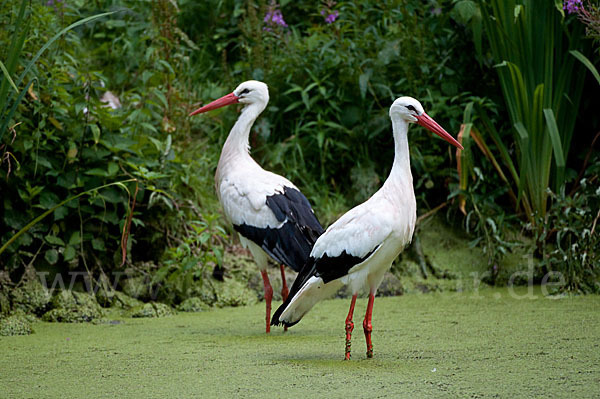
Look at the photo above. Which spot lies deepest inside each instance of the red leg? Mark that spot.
(349, 327)
(368, 327)
(284, 289)
(268, 297)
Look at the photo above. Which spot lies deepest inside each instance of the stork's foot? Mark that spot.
(349, 328)
(368, 328)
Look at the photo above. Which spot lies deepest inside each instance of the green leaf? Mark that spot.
(588, 64)
(14, 52)
(48, 199)
(113, 168)
(148, 126)
(559, 6)
(95, 132)
(7, 75)
(98, 244)
(97, 172)
(60, 213)
(218, 255)
(464, 10)
(556, 146)
(161, 96)
(363, 81)
(55, 240)
(160, 274)
(51, 256)
(69, 253)
(75, 238)
(517, 11)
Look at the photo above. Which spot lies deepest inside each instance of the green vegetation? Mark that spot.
(486, 344)
(103, 175)
(542, 86)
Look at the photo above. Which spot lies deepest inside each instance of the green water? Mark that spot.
(446, 345)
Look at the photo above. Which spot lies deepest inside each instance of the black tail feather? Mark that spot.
(307, 272)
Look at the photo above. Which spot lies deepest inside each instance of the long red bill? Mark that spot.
(230, 98)
(427, 122)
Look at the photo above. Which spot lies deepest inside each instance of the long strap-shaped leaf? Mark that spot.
(556, 146)
(7, 76)
(588, 64)
(14, 51)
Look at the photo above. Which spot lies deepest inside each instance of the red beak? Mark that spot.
(221, 102)
(427, 122)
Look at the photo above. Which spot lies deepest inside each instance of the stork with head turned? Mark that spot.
(272, 217)
(360, 246)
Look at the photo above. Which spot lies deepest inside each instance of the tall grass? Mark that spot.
(541, 83)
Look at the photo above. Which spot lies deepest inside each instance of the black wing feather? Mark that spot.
(291, 243)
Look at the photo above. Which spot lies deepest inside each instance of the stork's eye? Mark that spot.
(245, 91)
(411, 108)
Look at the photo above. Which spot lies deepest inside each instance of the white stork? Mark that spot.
(272, 217)
(360, 246)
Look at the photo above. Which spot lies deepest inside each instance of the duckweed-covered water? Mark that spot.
(479, 345)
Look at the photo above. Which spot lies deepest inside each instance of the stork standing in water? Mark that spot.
(272, 217)
(360, 247)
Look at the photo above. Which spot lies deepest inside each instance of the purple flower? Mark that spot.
(274, 16)
(330, 18)
(572, 6)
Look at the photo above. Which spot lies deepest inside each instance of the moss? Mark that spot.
(137, 287)
(233, 293)
(27, 316)
(73, 307)
(152, 309)
(124, 301)
(15, 325)
(239, 264)
(4, 302)
(105, 293)
(109, 298)
(63, 299)
(204, 290)
(391, 286)
(31, 298)
(193, 304)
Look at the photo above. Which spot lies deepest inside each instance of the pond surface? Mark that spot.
(486, 344)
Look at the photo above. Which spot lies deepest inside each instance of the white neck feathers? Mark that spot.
(236, 150)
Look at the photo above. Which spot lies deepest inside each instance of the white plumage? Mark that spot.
(269, 213)
(360, 247)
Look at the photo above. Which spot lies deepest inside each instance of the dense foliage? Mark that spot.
(332, 68)
(64, 140)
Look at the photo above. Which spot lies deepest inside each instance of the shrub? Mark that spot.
(68, 141)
